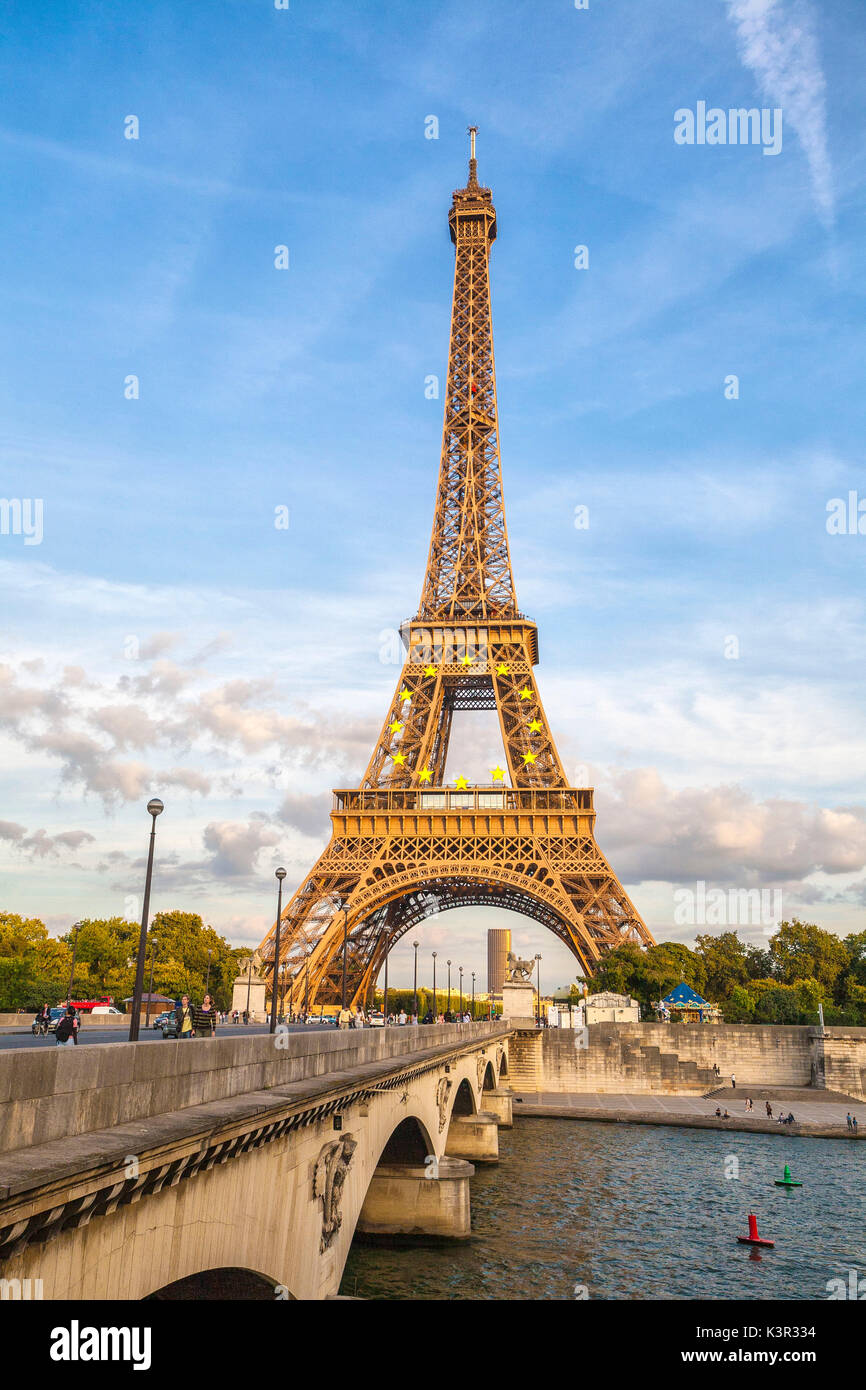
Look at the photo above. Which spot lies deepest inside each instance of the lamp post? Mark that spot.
(473, 996)
(154, 808)
(153, 945)
(435, 1000)
(306, 984)
(207, 977)
(279, 875)
(415, 982)
(341, 907)
(448, 1010)
(538, 987)
(249, 985)
(387, 936)
(460, 968)
(76, 929)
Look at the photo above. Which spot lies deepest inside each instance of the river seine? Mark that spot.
(618, 1211)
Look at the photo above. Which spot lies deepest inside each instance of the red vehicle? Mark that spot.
(86, 1006)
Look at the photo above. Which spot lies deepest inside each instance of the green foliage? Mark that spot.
(802, 950)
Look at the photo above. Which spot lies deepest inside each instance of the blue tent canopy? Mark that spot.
(685, 995)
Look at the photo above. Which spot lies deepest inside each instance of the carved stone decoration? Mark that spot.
(518, 971)
(481, 1061)
(443, 1091)
(500, 1058)
(329, 1176)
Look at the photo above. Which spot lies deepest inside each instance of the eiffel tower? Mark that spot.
(404, 845)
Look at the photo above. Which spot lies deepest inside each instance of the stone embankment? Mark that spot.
(680, 1059)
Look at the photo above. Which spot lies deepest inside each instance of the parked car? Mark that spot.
(168, 1025)
(163, 1018)
(376, 1020)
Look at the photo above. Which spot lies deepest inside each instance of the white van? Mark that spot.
(106, 1009)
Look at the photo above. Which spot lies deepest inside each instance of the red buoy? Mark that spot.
(753, 1238)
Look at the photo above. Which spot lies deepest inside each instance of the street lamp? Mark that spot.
(279, 874)
(387, 936)
(249, 986)
(449, 988)
(154, 808)
(435, 1000)
(415, 982)
(76, 929)
(473, 996)
(341, 907)
(460, 968)
(538, 987)
(306, 983)
(153, 945)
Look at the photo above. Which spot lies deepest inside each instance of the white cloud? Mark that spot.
(777, 41)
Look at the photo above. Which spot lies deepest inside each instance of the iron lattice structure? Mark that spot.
(404, 846)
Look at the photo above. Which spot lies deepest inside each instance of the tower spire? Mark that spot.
(469, 566)
(473, 162)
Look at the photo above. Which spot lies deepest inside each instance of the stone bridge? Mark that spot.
(239, 1167)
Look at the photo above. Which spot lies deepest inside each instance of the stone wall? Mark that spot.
(50, 1092)
(678, 1058)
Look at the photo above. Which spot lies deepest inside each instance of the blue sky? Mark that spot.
(166, 637)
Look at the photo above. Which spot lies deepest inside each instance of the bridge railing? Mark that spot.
(53, 1092)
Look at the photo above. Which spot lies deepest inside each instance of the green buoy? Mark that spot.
(787, 1180)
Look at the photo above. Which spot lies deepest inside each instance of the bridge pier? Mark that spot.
(499, 1103)
(410, 1200)
(474, 1137)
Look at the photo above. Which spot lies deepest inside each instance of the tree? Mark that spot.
(725, 960)
(802, 950)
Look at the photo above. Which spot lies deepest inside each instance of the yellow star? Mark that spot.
(466, 660)
(498, 774)
(526, 693)
(502, 669)
(395, 727)
(425, 775)
(529, 757)
(535, 726)
(429, 670)
(399, 759)
(405, 694)
(461, 783)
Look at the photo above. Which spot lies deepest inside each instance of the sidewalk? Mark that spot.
(818, 1114)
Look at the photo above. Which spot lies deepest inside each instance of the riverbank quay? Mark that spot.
(818, 1115)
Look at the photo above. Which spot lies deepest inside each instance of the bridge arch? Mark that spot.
(489, 1081)
(229, 1284)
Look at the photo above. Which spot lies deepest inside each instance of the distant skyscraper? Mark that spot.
(498, 946)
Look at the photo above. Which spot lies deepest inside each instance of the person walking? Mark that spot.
(66, 1032)
(854, 1123)
(769, 1111)
(185, 1018)
(344, 1018)
(204, 1018)
(733, 1082)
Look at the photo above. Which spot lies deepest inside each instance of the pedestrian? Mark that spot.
(749, 1106)
(733, 1082)
(718, 1112)
(66, 1032)
(769, 1111)
(401, 1018)
(184, 1018)
(344, 1017)
(854, 1123)
(848, 1120)
(358, 1020)
(204, 1019)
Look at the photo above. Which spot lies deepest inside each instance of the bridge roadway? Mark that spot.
(241, 1166)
